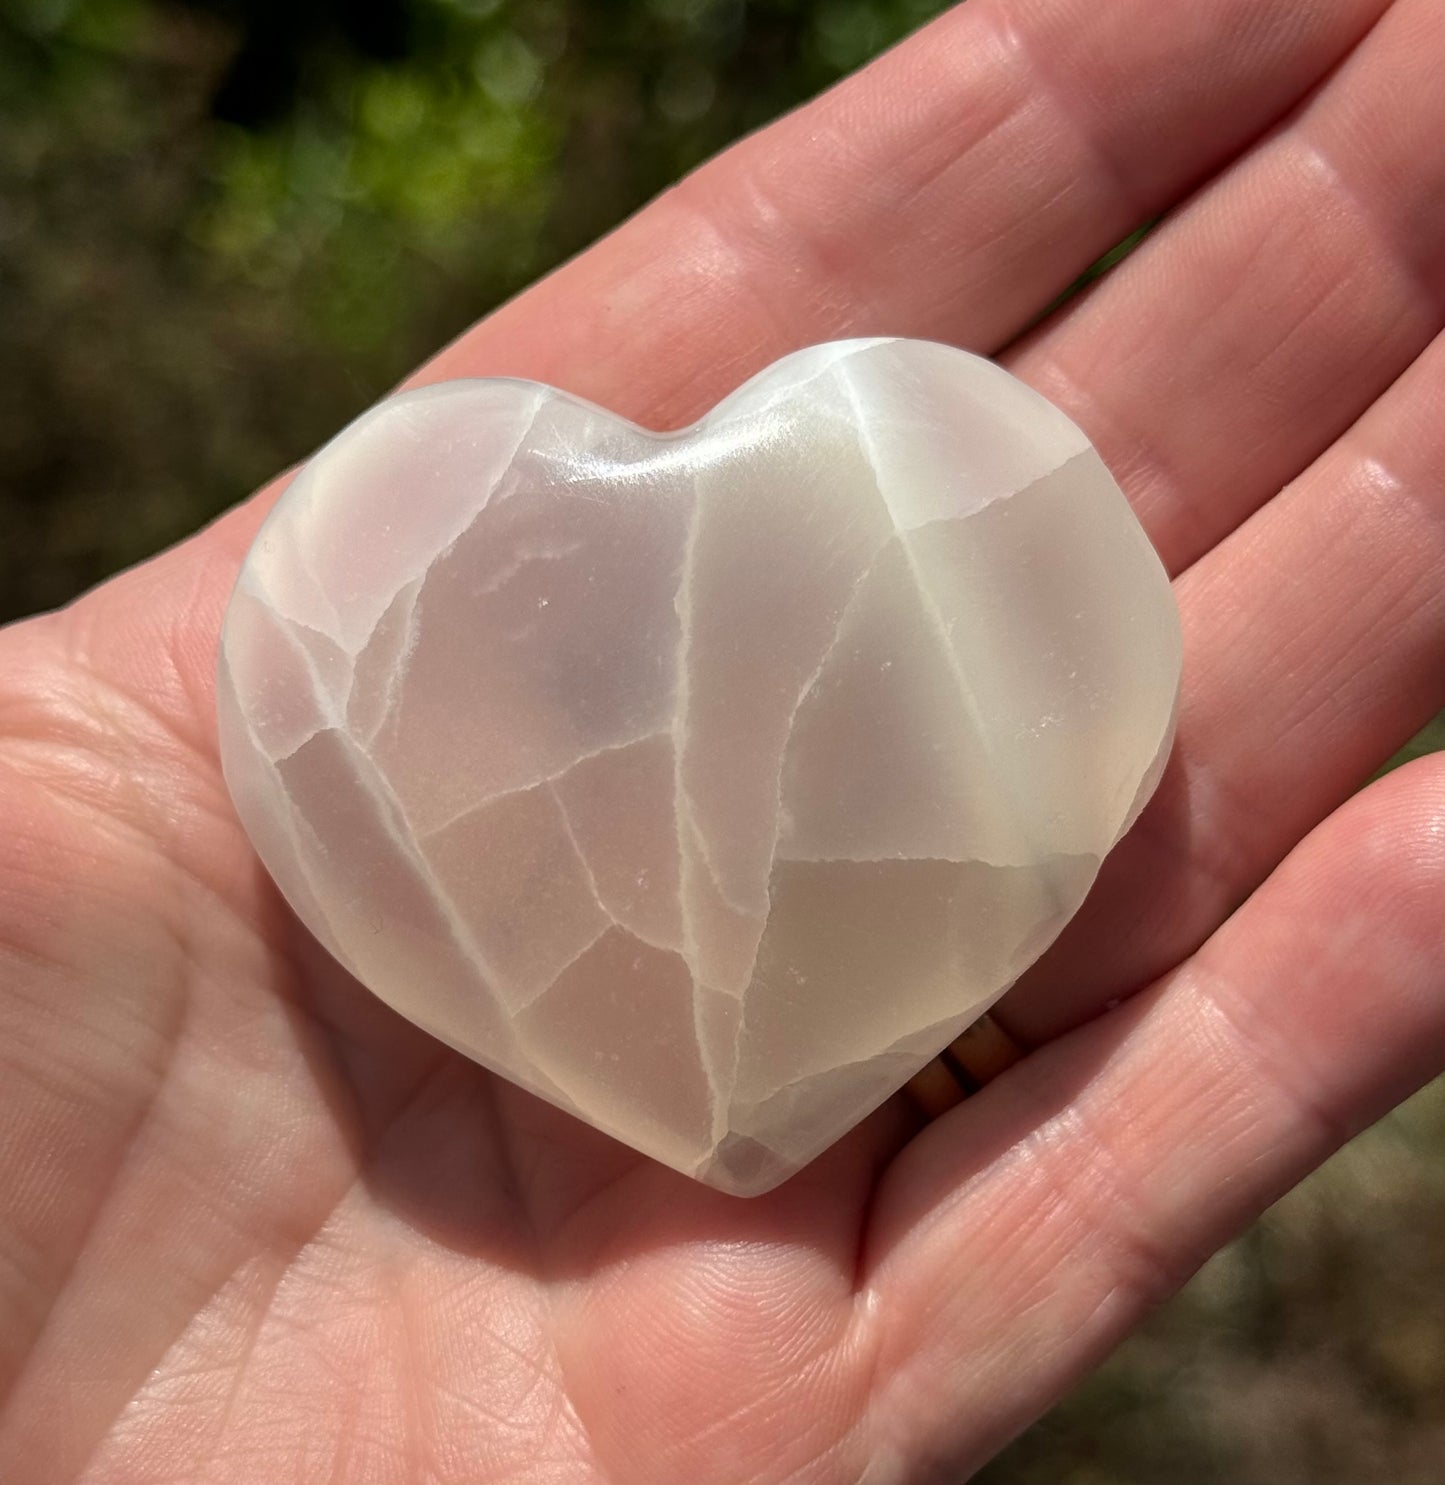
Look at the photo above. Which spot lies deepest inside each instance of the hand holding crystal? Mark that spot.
(255, 1224)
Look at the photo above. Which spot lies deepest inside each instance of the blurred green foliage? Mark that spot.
(225, 227)
(1309, 1352)
(228, 225)
(1431, 740)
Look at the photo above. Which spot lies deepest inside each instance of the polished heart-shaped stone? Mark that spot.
(704, 783)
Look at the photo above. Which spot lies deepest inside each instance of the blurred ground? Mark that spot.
(226, 226)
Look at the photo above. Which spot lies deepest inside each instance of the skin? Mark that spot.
(253, 1227)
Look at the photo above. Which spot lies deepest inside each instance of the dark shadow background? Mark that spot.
(226, 226)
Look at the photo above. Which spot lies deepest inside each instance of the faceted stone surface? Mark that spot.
(704, 783)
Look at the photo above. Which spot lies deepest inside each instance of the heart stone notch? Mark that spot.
(704, 783)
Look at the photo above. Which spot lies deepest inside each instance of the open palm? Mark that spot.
(253, 1227)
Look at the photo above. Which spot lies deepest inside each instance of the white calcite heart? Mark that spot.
(704, 783)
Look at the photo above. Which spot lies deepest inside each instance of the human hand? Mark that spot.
(253, 1227)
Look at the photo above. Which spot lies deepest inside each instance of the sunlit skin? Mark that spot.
(254, 1228)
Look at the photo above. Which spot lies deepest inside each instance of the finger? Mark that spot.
(1314, 646)
(1252, 329)
(951, 190)
(1020, 1237)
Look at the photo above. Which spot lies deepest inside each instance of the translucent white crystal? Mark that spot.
(705, 783)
